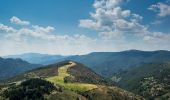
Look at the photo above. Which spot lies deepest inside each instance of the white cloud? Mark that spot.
(157, 22)
(89, 24)
(111, 34)
(40, 29)
(6, 28)
(116, 24)
(111, 21)
(148, 38)
(162, 9)
(108, 3)
(157, 37)
(35, 38)
(110, 18)
(18, 21)
(34, 32)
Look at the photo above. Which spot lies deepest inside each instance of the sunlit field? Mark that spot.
(59, 80)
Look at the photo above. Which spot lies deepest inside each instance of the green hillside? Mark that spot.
(63, 84)
(62, 74)
(109, 63)
(10, 67)
(37, 89)
(150, 80)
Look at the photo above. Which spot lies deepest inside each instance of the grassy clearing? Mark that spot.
(62, 73)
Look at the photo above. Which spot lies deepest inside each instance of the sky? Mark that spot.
(76, 27)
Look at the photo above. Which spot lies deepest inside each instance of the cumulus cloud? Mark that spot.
(37, 32)
(40, 29)
(6, 28)
(34, 32)
(157, 37)
(36, 38)
(109, 19)
(115, 24)
(18, 21)
(162, 9)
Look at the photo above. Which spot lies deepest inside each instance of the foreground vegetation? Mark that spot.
(38, 89)
(31, 89)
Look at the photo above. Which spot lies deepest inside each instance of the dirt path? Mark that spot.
(62, 73)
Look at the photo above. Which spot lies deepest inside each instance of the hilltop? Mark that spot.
(80, 72)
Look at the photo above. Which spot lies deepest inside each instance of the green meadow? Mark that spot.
(59, 80)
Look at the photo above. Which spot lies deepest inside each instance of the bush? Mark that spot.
(33, 89)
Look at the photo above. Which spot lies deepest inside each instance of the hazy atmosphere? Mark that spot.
(84, 49)
(83, 26)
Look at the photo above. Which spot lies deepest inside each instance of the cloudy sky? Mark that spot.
(70, 27)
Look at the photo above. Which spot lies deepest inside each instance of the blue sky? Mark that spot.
(81, 26)
(62, 14)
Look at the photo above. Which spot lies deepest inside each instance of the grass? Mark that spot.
(62, 73)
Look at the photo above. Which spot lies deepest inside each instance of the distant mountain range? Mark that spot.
(10, 67)
(104, 63)
(108, 63)
(36, 58)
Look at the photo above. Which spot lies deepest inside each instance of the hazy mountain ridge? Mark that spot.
(108, 63)
(10, 67)
(37, 58)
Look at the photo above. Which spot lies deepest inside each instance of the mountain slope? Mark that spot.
(80, 72)
(149, 80)
(11, 67)
(37, 89)
(109, 63)
(103, 63)
(67, 75)
(36, 58)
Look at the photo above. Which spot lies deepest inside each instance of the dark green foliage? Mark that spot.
(31, 89)
(150, 80)
(66, 95)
